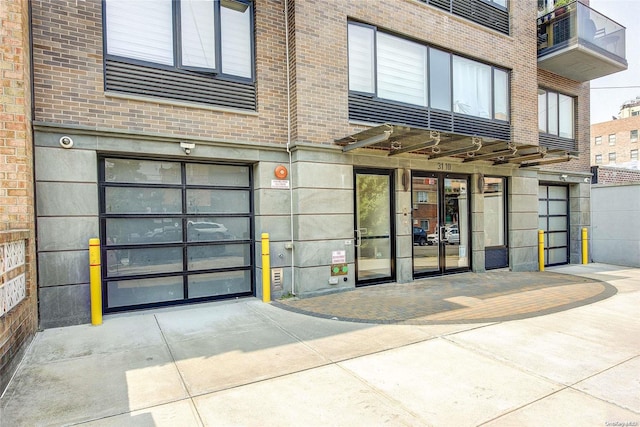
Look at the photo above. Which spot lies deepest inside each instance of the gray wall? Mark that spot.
(321, 194)
(67, 217)
(615, 215)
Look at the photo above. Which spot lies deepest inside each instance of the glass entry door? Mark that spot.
(374, 227)
(440, 223)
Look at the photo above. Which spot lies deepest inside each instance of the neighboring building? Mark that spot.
(18, 296)
(630, 109)
(179, 134)
(615, 142)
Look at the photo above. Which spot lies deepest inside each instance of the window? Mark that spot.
(440, 79)
(401, 69)
(471, 87)
(612, 139)
(422, 197)
(502, 3)
(633, 135)
(361, 59)
(397, 69)
(598, 140)
(556, 114)
(635, 113)
(598, 159)
(424, 224)
(207, 36)
(634, 154)
(612, 157)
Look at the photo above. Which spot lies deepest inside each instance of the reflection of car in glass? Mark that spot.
(452, 235)
(168, 233)
(419, 236)
(432, 239)
(203, 230)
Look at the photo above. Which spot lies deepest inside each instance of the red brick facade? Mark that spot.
(17, 325)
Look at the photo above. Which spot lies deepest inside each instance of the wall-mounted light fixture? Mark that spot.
(187, 147)
(406, 177)
(563, 177)
(481, 183)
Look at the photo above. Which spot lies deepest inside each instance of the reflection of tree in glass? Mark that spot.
(373, 203)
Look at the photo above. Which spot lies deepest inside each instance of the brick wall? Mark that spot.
(69, 70)
(17, 325)
(69, 84)
(322, 68)
(621, 128)
(612, 175)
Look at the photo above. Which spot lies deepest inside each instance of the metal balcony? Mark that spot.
(576, 42)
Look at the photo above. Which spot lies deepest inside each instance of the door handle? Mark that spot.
(359, 232)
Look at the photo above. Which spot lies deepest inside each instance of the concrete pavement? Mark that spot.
(247, 363)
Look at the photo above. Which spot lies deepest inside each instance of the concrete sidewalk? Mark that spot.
(248, 363)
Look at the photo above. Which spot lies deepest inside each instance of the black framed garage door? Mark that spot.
(553, 211)
(174, 232)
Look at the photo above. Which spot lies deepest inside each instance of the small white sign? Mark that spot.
(282, 184)
(338, 257)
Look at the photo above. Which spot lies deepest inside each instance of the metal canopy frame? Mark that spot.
(433, 144)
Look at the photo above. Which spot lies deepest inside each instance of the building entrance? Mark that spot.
(440, 223)
(374, 230)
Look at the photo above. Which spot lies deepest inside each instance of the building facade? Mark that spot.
(179, 135)
(18, 293)
(615, 142)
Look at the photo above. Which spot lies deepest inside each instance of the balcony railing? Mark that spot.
(577, 42)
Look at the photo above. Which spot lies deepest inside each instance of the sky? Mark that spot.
(610, 92)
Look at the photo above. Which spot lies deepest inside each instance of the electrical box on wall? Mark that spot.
(333, 280)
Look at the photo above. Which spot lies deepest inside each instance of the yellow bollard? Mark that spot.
(585, 247)
(266, 269)
(95, 284)
(541, 250)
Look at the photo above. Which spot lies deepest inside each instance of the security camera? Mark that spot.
(66, 142)
(187, 147)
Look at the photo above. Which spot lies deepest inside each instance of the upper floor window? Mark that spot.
(598, 140)
(612, 139)
(422, 197)
(634, 154)
(633, 135)
(612, 157)
(635, 113)
(501, 3)
(210, 36)
(598, 159)
(556, 114)
(402, 70)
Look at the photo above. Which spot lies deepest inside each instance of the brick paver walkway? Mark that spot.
(461, 298)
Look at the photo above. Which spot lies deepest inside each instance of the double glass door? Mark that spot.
(440, 219)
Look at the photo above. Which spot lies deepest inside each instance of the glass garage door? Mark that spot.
(553, 206)
(174, 232)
